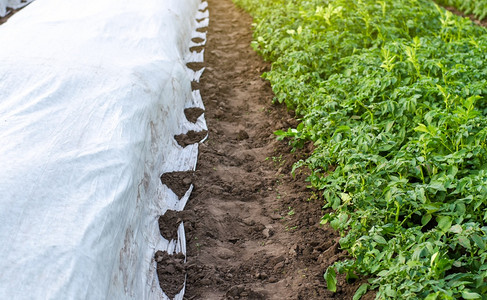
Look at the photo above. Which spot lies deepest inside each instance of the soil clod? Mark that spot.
(193, 113)
(196, 48)
(202, 29)
(171, 272)
(191, 137)
(195, 66)
(198, 40)
(178, 182)
(169, 222)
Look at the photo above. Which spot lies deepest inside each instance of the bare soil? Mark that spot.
(252, 229)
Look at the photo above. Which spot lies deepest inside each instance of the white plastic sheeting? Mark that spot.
(12, 4)
(91, 95)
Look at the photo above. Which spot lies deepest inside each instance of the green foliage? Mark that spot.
(360, 291)
(331, 279)
(393, 95)
(476, 7)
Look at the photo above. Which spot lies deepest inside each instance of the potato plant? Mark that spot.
(476, 7)
(393, 95)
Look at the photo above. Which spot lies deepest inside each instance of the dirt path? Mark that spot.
(252, 232)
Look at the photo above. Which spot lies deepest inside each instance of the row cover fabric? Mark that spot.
(12, 4)
(91, 95)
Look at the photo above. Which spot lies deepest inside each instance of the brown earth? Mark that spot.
(252, 229)
(171, 272)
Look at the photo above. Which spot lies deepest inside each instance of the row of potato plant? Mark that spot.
(476, 7)
(392, 94)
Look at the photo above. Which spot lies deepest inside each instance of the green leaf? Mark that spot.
(379, 239)
(345, 197)
(389, 126)
(432, 207)
(425, 219)
(433, 258)
(342, 128)
(470, 295)
(279, 132)
(464, 241)
(331, 279)
(478, 241)
(444, 223)
(340, 221)
(422, 128)
(360, 291)
(456, 229)
(390, 292)
(432, 296)
(439, 186)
